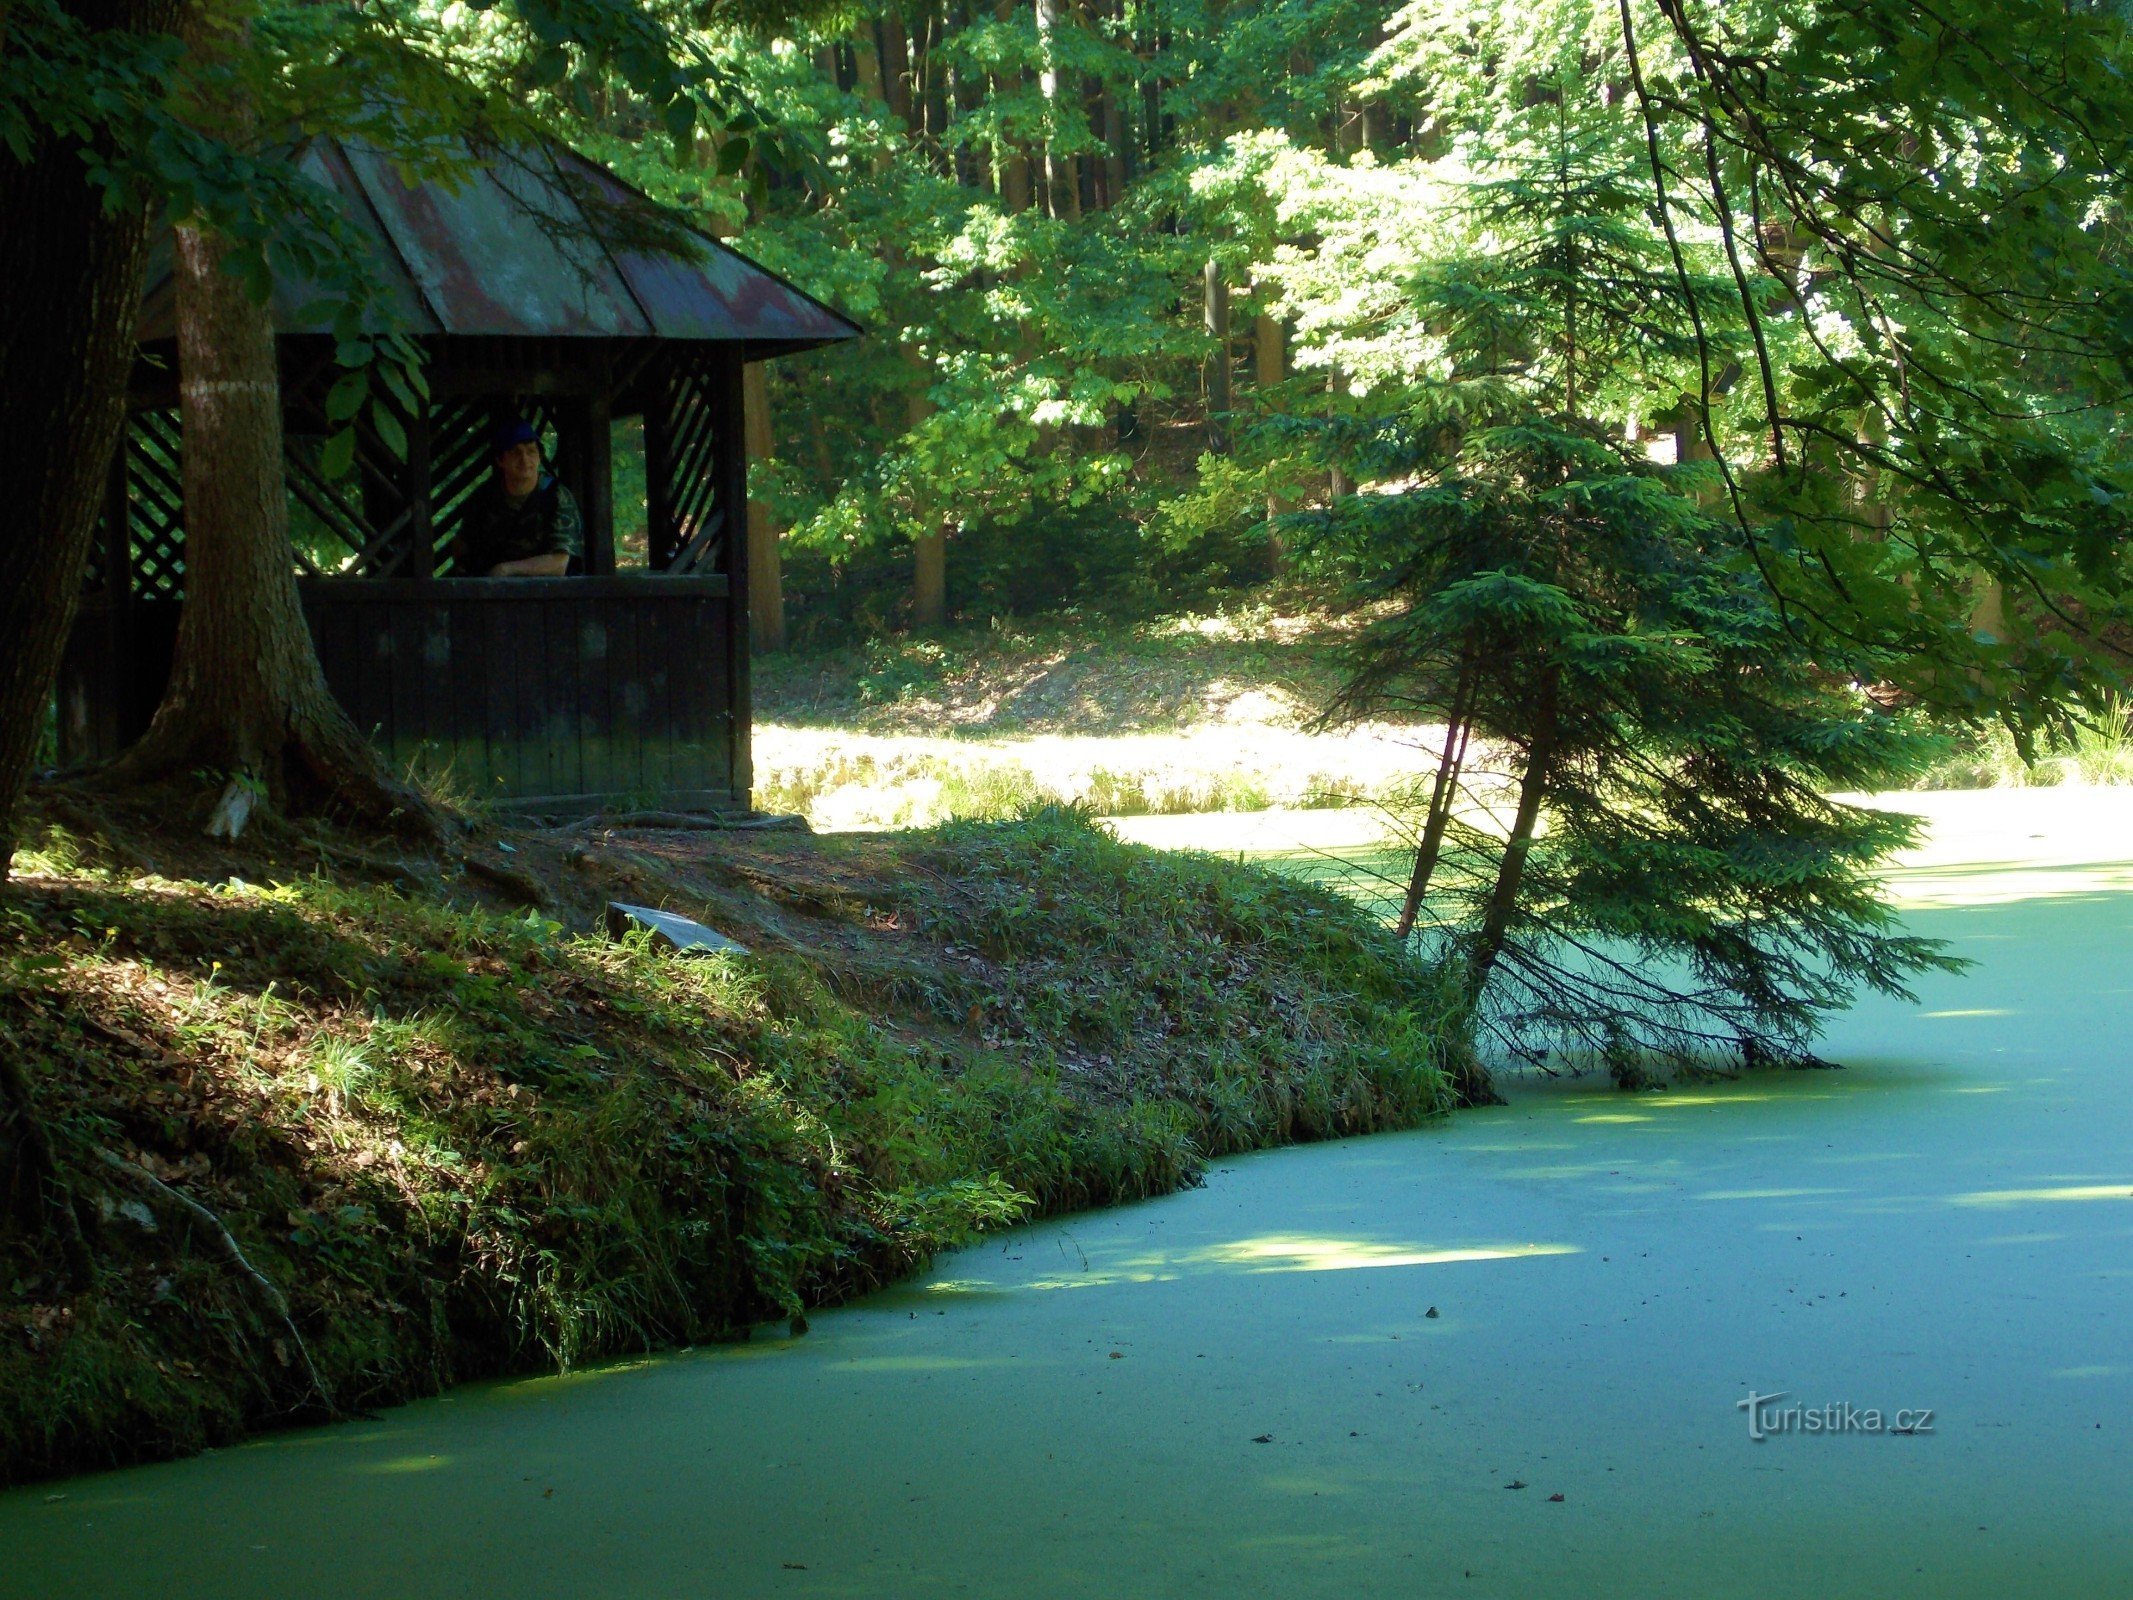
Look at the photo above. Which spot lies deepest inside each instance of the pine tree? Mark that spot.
(1627, 848)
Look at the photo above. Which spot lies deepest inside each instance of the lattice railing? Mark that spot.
(155, 505)
(361, 523)
(688, 523)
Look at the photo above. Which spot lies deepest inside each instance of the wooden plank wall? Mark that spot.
(497, 689)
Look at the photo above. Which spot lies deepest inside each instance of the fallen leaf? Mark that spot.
(1516, 1483)
(1431, 1312)
(1556, 1498)
(1262, 1438)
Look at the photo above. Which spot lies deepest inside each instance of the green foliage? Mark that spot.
(1660, 875)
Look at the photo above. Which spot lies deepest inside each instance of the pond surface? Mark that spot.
(1321, 1373)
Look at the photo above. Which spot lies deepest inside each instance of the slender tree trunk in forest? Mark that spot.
(1266, 374)
(929, 565)
(1444, 795)
(1114, 130)
(1989, 615)
(1220, 399)
(929, 578)
(766, 569)
(896, 67)
(1061, 179)
(866, 61)
(1532, 789)
(1338, 483)
(1014, 181)
(71, 266)
(246, 694)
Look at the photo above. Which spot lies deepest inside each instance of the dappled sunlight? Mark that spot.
(1768, 1194)
(1293, 1253)
(2005, 883)
(1290, 1483)
(403, 1464)
(2017, 1197)
(542, 1384)
(916, 1363)
(1260, 1255)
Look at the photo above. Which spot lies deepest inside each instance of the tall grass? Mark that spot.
(2097, 752)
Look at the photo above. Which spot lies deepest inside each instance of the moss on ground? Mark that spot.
(463, 1139)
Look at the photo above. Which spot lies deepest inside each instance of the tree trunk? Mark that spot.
(1444, 794)
(866, 61)
(72, 269)
(1338, 483)
(929, 567)
(766, 570)
(246, 695)
(1266, 374)
(1220, 400)
(929, 578)
(1503, 898)
(1114, 130)
(896, 67)
(1061, 179)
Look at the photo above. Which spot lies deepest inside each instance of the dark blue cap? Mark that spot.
(516, 431)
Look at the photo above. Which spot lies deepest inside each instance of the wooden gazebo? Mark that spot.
(543, 287)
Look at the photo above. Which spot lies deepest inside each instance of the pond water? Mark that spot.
(1324, 1372)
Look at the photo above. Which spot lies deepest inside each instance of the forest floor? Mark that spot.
(339, 1122)
(1190, 713)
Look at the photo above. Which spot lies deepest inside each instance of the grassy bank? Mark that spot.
(449, 1137)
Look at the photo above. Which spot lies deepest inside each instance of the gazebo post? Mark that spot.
(597, 417)
(658, 469)
(422, 548)
(729, 469)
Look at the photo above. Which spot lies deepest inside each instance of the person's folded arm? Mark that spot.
(552, 565)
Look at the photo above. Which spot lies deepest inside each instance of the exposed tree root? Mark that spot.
(265, 1286)
(313, 768)
(694, 821)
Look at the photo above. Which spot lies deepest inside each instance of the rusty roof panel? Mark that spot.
(536, 243)
(712, 292)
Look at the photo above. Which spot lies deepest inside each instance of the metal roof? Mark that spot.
(535, 242)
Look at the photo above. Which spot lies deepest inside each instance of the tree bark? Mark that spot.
(1444, 794)
(866, 61)
(766, 569)
(1510, 871)
(1061, 179)
(1266, 374)
(1221, 401)
(246, 694)
(896, 63)
(71, 266)
(1338, 483)
(1114, 131)
(929, 563)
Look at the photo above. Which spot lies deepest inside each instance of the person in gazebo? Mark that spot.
(522, 523)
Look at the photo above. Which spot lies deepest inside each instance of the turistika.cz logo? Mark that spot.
(1766, 1417)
